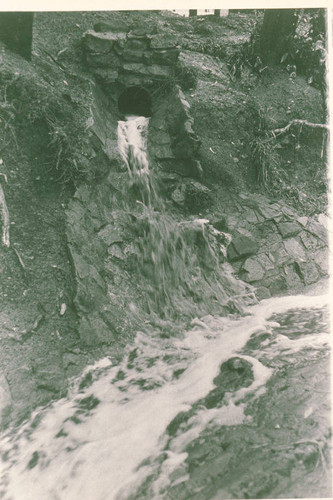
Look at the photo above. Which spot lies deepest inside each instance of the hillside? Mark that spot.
(235, 210)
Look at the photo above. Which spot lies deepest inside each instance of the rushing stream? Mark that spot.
(125, 431)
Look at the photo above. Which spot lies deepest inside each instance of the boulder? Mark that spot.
(110, 235)
(133, 55)
(253, 270)
(242, 245)
(197, 196)
(287, 229)
(262, 292)
(269, 212)
(293, 279)
(106, 59)
(234, 374)
(163, 41)
(294, 249)
(136, 43)
(321, 258)
(98, 43)
(309, 272)
(317, 230)
(94, 330)
(142, 69)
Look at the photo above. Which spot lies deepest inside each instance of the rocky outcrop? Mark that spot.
(273, 248)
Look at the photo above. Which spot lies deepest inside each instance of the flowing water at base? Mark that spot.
(112, 434)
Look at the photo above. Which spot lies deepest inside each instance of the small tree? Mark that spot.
(16, 32)
(277, 30)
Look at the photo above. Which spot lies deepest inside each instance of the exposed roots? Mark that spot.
(300, 123)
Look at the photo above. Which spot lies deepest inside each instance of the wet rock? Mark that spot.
(178, 195)
(251, 216)
(323, 220)
(49, 375)
(308, 271)
(253, 270)
(288, 229)
(321, 258)
(317, 230)
(242, 245)
(269, 212)
(70, 358)
(115, 251)
(234, 374)
(294, 249)
(85, 270)
(293, 278)
(162, 151)
(110, 235)
(197, 196)
(93, 330)
(5, 401)
(303, 220)
(262, 292)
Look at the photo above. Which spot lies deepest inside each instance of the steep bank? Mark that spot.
(62, 120)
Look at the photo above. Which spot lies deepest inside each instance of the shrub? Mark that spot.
(186, 76)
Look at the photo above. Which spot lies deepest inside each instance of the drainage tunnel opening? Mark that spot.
(135, 101)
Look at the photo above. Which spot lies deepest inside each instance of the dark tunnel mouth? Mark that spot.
(135, 101)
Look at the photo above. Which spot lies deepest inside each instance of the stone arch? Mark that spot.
(136, 101)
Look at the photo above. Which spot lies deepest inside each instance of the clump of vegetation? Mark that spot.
(265, 160)
(210, 46)
(47, 120)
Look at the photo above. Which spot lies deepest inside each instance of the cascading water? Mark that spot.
(126, 431)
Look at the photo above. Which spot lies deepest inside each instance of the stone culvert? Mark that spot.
(136, 71)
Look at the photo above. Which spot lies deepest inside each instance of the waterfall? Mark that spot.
(132, 144)
(182, 263)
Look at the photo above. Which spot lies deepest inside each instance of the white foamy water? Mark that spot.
(132, 144)
(106, 452)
